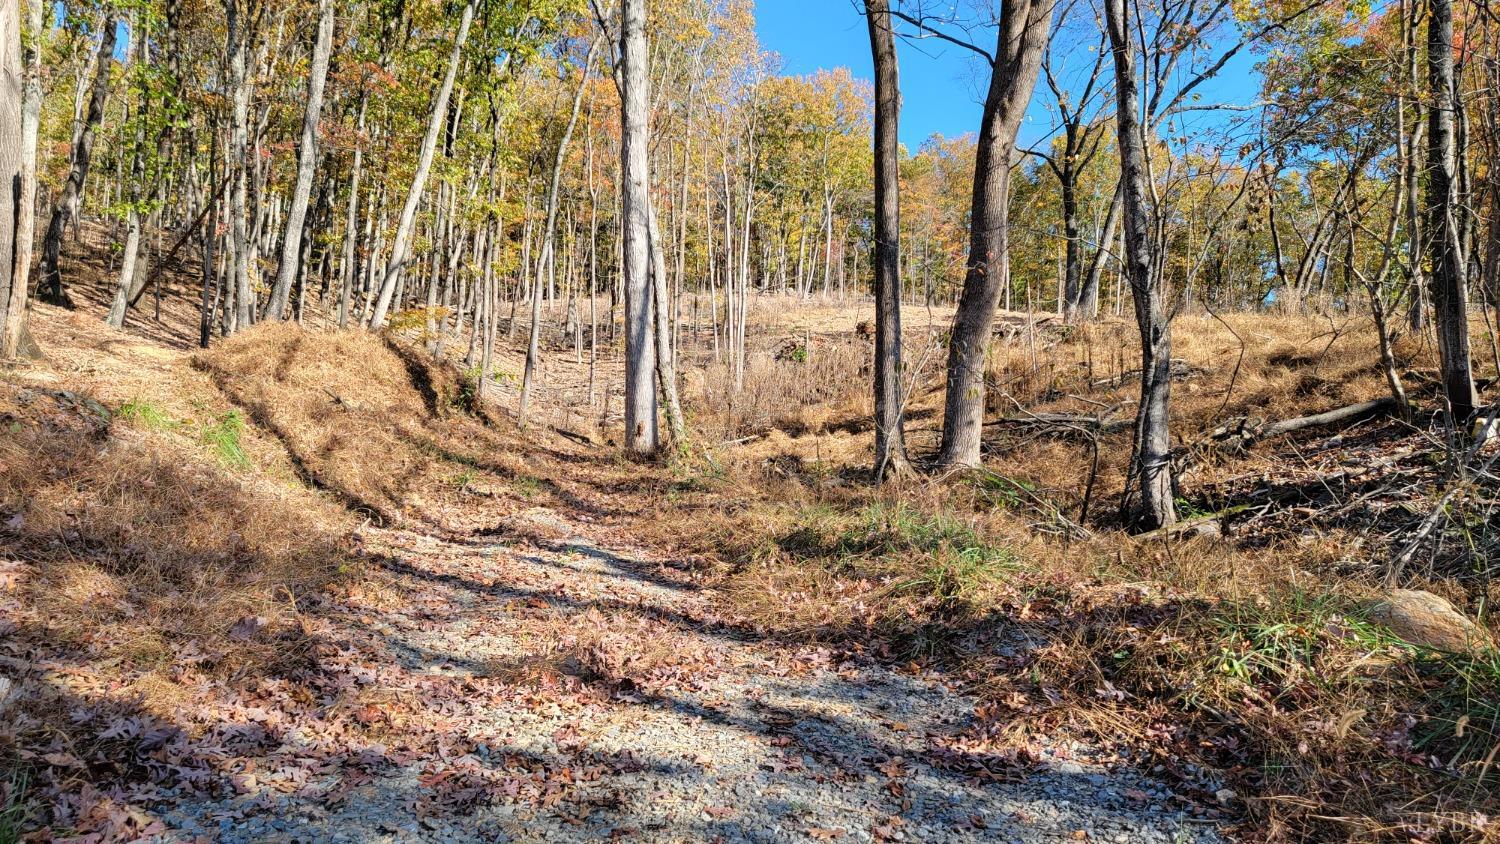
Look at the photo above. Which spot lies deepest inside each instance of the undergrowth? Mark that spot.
(885, 568)
(1331, 727)
(223, 437)
(147, 414)
(12, 804)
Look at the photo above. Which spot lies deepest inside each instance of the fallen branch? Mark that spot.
(1247, 431)
(1064, 420)
(582, 439)
(1212, 524)
(156, 269)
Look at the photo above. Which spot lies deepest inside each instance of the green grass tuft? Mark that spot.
(13, 805)
(224, 438)
(526, 486)
(147, 414)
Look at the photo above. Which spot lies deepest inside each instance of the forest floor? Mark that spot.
(680, 727)
(304, 587)
(508, 663)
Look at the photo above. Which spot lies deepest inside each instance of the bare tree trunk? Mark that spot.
(349, 272)
(238, 282)
(130, 258)
(1073, 305)
(641, 435)
(1088, 297)
(307, 163)
(533, 344)
(210, 237)
(1450, 304)
(401, 245)
(1152, 459)
(12, 192)
(1024, 28)
(666, 371)
(890, 437)
(15, 338)
(51, 286)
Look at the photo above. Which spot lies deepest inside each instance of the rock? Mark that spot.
(1422, 618)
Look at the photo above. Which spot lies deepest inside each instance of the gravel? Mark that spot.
(749, 752)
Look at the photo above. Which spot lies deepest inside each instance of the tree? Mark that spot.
(51, 285)
(238, 31)
(1076, 148)
(1447, 247)
(533, 344)
(11, 180)
(1152, 458)
(641, 436)
(1023, 30)
(307, 163)
(401, 245)
(15, 337)
(890, 440)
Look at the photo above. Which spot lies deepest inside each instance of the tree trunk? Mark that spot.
(51, 286)
(1073, 292)
(307, 163)
(401, 245)
(1088, 297)
(533, 344)
(1152, 459)
(1449, 288)
(890, 437)
(210, 238)
(15, 339)
(641, 435)
(12, 192)
(130, 259)
(238, 280)
(1024, 28)
(666, 370)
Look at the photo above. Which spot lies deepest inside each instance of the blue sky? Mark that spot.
(940, 83)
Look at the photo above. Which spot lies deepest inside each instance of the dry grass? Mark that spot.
(1253, 660)
(135, 529)
(361, 416)
(793, 384)
(1192, 652)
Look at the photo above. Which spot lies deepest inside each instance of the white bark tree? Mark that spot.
(641, 435)
(401, 244)
(11, 181)
(307, 163)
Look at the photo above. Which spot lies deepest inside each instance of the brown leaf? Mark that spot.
(246, 628)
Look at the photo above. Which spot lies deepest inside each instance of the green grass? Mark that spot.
(13, 809)
(1463, 709)
(464, 479)
(936, 556)
(1285, 640)
(1000, 491)
(147, 414)
(526, 486)
(223, 436)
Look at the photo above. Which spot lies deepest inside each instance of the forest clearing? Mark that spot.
(554, 420)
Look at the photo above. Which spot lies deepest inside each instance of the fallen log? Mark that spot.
(1063, 420)
(1248, 431)
(1208, 525)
